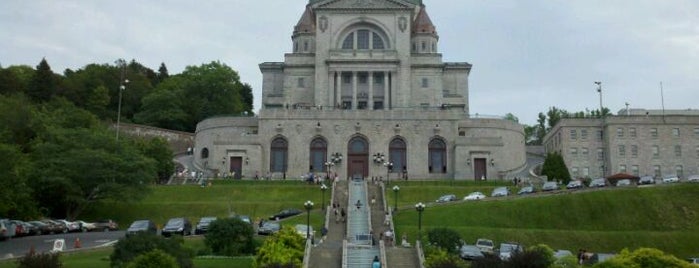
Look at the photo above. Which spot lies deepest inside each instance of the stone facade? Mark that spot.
(364, 81)
(638, 142)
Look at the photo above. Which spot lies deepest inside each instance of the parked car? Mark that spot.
(72, 226)
(470, 252)
(106, 225)
(87, 226)
(203, 225)
(646, 180)
(301, 230)
(146, 226)
(41, 227)
(25, 228)
(285, 214)
(268, 228)
(56, 227)
(485, 245)
(599, 182)
(4, 229)
(474, 196)
(550, 186)
(624, 182)
(180, 226)
(670, 179)
(245, 218)
(562, 253)
(446, 198)
(574, 184)
(507, 249)
(500, 191)
(526, 190)
(693, 178)
(694, 261)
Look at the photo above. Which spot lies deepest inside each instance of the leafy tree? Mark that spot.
(246, 94)
(555, 168)
(97, 101)
(154, 259)
(540, 128)
(283, 249)
(539, 256)
(129, 248)
(531, 135)
(162, 73)
(643, 258)
(230, 237)
(15, 194)
(158, 150)
(440, 258)
(44, 83)
(490, 261)
(17, 123)
(445, 238)
(9, 82)
(24, 75)
(511, 117)
(554, 116)
(164, 107)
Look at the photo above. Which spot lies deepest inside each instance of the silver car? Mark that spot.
(507, 249)
(601, 182)
(470, 252)
(550, 186)
(446, 198)
(500, 191)
(625, 182)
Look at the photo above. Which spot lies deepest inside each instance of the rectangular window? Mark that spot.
(378, 105)
(654, 133)
(575, 172)
(678, 150)
(600, 135)
(583, 134)
(679, 171)
(424, 46)
(573, 134)
(634, 151)
(377, 41)
(634, 170)
(584, 152)
(378, 78)
(586, 172)
(676, 132)
(600, 154)
(347, 79)
(363, 39)
(574, 152)
(361, 105)
(619, 132)
(632, 132)
(622, 168)
(349, 42)
(657, 171)
(305, 46)
(363, 78)
(425, 82)
(656, 151)
(622, 151)
(301, 83)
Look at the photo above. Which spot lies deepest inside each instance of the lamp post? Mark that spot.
(328, 165)
(395, 203)
(322, 190)
(122, 87)
(599, 90)
(420, 207)
(389, 166)
(308, 205)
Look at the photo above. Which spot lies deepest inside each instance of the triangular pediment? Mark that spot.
(363, 4)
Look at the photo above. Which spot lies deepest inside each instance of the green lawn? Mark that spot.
(605, 221)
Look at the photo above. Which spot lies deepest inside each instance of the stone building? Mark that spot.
(636, 141)
(363, 92)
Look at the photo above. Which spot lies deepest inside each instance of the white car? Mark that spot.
(507, 249)
(86, 226)
(601, 182)
(302, 229)
(474, 196)
(693, 178)
(485, 245)
(500, 191)
(624, 182)
(671, 179)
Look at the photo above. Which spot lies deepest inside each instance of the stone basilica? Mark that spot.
(364, 92)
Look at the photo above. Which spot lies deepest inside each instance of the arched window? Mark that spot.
(319, 152)
(397, 155)
(205, 153)
(364, 39)
(279, 152)
(437, 156)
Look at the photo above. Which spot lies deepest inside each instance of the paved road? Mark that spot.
(19, 246)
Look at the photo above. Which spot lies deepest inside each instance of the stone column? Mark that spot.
(338, 89)
(354, 90)
(370, 105)
(386, 91)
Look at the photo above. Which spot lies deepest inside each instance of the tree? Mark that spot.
(97, 101)
(130, 247)
(153, 259)
(16, 200)
(554, 116)
(440, 258)
(445, 238)
(44, 83)
(9, 82)
(539, 256)
(230, 237)
(540, 128)
(555, 168)
(246, 94)
(17, 121)
(159, 151)
(165, 106)
(511, 117)
(162, 73)
(643, 258)
(283, 249)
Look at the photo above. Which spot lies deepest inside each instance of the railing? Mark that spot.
(382, 248)
(307, 253)
(420, 253)
(344, 253)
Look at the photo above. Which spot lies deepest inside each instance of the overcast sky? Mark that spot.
(526, 55)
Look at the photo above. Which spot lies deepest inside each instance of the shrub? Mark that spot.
(154, 259)
(644, 258)
(490, 261)
(130, 247)
(445, 238)
(440, 258)
(40, 260)
(230, 237)
(282, 250)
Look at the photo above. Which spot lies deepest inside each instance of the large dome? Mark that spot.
(416, 2)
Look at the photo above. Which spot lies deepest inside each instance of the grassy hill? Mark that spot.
(665, 217)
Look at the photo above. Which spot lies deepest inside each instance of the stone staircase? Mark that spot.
(398, 257)
(329, 252)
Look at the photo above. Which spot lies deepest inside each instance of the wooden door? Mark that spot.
(480, 169)
(237, 167)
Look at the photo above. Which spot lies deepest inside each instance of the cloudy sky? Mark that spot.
(526, 55)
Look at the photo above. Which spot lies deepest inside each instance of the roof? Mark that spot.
(307, 23)
(415, 2)
(423, 23)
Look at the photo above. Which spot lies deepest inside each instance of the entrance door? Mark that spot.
(358, 158)
(237, 167)
(479, 169)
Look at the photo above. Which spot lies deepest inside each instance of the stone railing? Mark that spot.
(420, 253)
(307, 253)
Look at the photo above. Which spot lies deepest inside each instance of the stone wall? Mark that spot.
(179, 141)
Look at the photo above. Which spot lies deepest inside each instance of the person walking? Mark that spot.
(342, 213)
(376, 263)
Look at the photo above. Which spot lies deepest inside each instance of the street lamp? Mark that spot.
(308, 205)
(395, 203)
(389, 166)
(599, 89)
(420, 207)
(328, 165)
(122, 87)
(322, 190)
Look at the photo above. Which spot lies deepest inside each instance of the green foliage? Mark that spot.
(544, 254)
(16, 200)
(566, 262)
(511, 117)
(164, 107)
(40, 260)
(644, 258)
(158, 150)
(283, 249)
(440, 258)
(44, 83)
(153, 259)
(539, 256)
(128, 248)
(445, 238)
(490, 261)
(555, 168)
(230, 237)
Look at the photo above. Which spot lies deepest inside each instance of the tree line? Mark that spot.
(534, 134)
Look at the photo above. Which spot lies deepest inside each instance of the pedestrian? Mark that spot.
(373, 200)
(359, 204)
(581, 256)
(323, 233)
(376, 263)
(343, 213)
(337, 215)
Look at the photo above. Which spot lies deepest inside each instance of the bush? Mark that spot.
(440, 258)
(154, 259)
(644, 258)
(490, 261)
(40, 260)
(128, 248)
(282, 250)
(445, 238)
(230, 237)
(529, 259)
